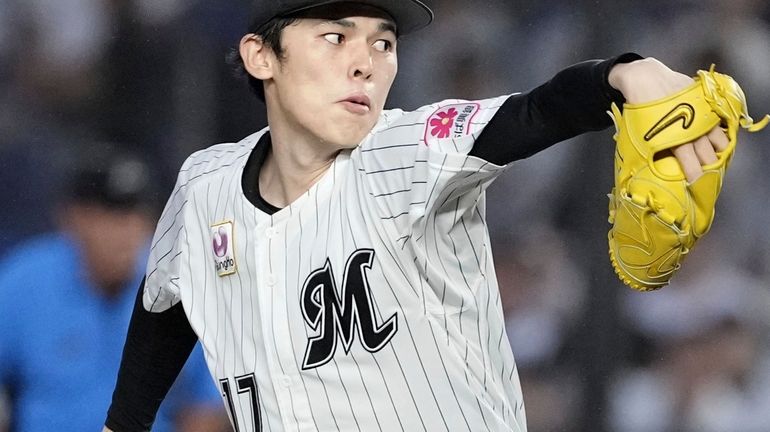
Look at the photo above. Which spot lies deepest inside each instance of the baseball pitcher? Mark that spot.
(336, 265)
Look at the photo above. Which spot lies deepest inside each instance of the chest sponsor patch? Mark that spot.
(222, 247)
(450, 121)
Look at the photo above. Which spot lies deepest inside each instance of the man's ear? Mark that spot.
(258, 58)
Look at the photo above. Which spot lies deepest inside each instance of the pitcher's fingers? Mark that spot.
(687, 158)
(704, 151)
(718, 139)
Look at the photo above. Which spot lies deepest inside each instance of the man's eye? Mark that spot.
(334, 38)
(383, 45)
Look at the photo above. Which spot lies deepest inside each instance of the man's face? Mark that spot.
(110, 241)
(334, 78)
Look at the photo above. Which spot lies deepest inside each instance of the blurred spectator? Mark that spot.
(542, 290)
(66, 301)
(708, 368)
(104, 70)
(710, 381)
(456, 57)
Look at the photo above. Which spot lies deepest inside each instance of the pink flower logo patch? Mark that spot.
(451, 121)
(441, 125)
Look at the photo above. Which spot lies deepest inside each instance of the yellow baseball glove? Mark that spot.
(656, 214)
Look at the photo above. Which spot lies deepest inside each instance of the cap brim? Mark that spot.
(409, 15)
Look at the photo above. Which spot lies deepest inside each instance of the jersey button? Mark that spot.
(286, 381)
(271, 280)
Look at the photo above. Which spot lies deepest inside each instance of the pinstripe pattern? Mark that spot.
(419, 206)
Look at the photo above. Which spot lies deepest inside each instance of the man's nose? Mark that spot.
(362, 64)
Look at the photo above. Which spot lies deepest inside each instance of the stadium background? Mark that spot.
(78, 76)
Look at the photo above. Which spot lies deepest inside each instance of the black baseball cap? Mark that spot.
(119, 181)
(409, 15)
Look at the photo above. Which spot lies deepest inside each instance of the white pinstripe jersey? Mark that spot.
(368, 304)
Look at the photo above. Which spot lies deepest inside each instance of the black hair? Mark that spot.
(270, 34)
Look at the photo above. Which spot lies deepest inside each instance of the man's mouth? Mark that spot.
(357, 104)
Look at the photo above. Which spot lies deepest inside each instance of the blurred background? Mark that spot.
(87, 78)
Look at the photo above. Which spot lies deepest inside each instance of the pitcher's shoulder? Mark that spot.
(217, 159)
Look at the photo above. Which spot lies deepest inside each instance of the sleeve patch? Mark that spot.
(450, 121)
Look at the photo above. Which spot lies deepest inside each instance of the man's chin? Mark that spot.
(342, 132)
(350, 140)
(346, 144)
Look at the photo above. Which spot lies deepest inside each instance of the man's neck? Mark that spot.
(293, 165)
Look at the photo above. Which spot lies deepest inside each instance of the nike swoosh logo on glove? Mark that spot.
(683, 111)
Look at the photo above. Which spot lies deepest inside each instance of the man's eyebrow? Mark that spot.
(388, 26)
(385, 26)
(341, 22)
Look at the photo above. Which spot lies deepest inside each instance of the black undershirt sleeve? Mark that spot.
(156, 349)
(574, 101)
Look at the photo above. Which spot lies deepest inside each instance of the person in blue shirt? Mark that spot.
(65, 303)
